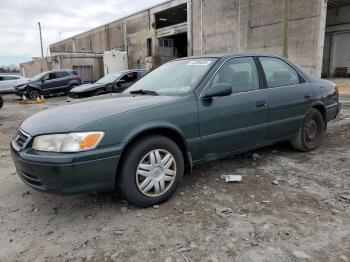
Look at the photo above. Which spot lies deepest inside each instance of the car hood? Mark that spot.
(70, 117)
(23, 82)
(86, 88)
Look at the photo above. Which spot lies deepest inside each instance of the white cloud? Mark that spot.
(19, 19)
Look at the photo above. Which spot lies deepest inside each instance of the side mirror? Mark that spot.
(223, 89)
(42, 80)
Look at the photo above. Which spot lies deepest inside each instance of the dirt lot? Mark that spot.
(290, 206)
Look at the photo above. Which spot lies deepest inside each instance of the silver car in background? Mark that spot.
(8, 82)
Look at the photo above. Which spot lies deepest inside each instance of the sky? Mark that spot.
(60, 19)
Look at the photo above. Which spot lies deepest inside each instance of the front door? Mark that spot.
(290, 97)
(238, 121)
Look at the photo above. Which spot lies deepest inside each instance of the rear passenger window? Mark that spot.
(278, 73)
(240, 73)
(75, 73)
(61, 74)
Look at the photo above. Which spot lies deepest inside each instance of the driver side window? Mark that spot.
(240, 73)
(49, 76)
(130, 77)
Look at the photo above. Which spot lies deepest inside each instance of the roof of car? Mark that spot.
(131, 70)
(228, 55)
(10, 75)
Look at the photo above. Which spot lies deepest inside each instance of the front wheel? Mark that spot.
(151, 171)
(33, 94)
(311, 132)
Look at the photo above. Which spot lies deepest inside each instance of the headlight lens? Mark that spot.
(66, 143)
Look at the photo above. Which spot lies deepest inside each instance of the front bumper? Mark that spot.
(83, 172)
(21, 92)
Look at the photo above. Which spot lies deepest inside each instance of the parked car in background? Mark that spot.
(111, 83)
(186, 112)
(48, 83)
(8, 82)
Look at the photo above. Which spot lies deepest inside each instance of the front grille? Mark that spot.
(20, 139)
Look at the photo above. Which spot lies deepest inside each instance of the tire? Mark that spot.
(311, 132)
(1, 102)
(33, 94)
(137, 174)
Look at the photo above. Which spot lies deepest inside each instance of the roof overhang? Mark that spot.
(337, 3)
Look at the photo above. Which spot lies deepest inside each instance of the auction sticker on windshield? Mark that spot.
(199, 62)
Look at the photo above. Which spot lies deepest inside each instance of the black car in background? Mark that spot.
(111, 83)
(48, 83)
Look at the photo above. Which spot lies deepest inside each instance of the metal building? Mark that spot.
(315, 33)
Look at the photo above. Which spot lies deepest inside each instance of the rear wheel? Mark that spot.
(311, 132)
(151, 171)
(33, 94)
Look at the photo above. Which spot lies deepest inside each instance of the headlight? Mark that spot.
(72, 142)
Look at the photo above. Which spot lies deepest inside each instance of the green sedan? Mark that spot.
(186, 112)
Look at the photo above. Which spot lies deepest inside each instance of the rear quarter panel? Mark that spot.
(325, 94)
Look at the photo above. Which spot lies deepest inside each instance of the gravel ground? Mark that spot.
(290, 206)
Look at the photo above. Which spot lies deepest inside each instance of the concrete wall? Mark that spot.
(220, 26)
(138, 30)
(34, 67)
(63, 61)
(230, 26)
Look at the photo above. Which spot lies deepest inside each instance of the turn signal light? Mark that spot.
(90, 141)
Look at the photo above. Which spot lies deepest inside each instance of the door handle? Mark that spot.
(307, 96)
(261, 104)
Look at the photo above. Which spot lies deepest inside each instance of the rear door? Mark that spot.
(290, 97)
(62, 79)
(238, 121)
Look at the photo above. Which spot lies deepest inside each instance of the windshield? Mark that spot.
(39, 76)
(108, 79)
(174, 77)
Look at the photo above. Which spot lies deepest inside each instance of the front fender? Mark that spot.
(147, 127)
(33, 86)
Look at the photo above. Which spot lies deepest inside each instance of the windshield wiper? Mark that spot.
(144, 92)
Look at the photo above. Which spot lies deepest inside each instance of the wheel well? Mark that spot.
(322, 110)
(169, 133)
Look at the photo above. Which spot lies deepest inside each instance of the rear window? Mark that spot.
(75, 73)
(61, 74)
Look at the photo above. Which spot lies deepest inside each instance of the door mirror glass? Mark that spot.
(222, 89)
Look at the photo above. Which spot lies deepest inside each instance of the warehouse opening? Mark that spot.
(171, 26)
(172, 16)
(336, 52)
(172, 47)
